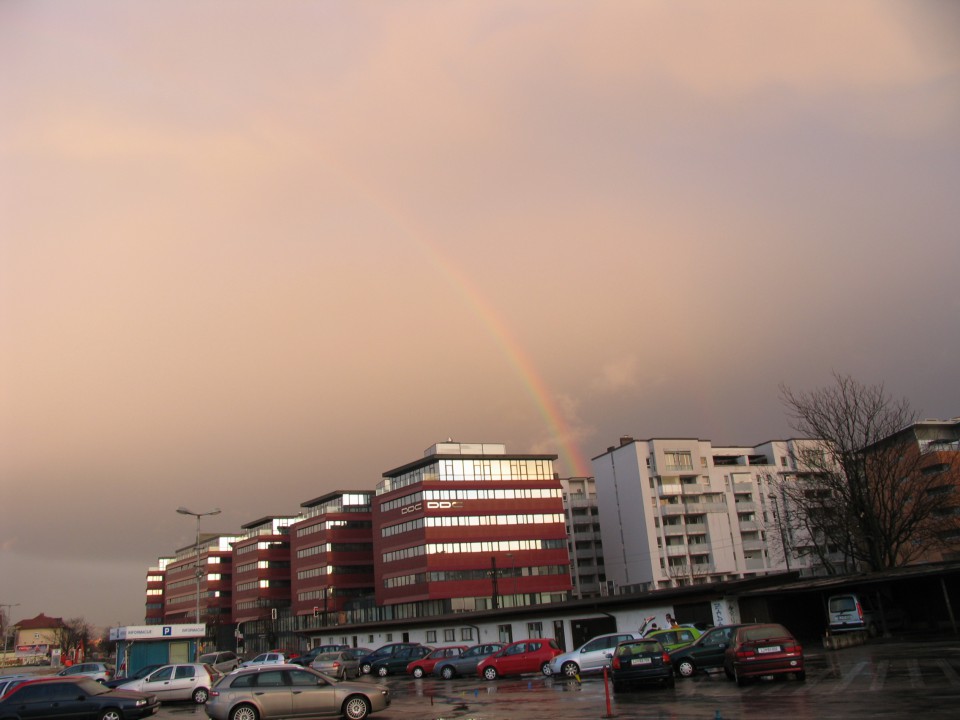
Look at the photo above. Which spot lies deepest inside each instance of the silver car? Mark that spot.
(340, 664)
(184, 681)
(285, 691)
(221, 660)
(101, 672)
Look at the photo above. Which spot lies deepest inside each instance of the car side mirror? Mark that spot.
(608, 656)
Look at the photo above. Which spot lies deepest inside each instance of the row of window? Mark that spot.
(471, 470)
(464, 575)
(334, 547)
(473, 521)
(334, 524)
(334, 570)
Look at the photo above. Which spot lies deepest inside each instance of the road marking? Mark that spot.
(810, 683)
(879, 676)
(916, 679)
(850, 676)
(949, 672)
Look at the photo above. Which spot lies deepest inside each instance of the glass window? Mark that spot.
(301, 678)
(185, 671)
(271, 678)
(161, 674)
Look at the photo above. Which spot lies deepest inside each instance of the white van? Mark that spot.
(851, 611)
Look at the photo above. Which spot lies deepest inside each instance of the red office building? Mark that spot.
(208, 571)
(469, 527)
(331, 551)
(156, 578)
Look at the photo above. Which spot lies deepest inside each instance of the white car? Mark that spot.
(186, 681)
(268, 658)
(589, 657)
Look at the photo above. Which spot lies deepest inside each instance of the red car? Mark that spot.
(519, 658)
(425, 665)
(763, 649)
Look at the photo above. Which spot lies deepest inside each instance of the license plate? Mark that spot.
(770, 649)
(643, 661)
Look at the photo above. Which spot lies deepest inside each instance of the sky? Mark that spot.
(251, 253)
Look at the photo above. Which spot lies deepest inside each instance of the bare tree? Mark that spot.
(865, 492)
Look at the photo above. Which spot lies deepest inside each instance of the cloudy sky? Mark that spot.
(254, 252)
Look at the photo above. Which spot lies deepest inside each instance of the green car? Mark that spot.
(675, 638)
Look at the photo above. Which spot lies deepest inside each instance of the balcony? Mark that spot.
(672, 530)
(743, 487)
(672, 510)
(670, 490)
(748, 525)
(676, 550)
(753, 545)
(742, 507)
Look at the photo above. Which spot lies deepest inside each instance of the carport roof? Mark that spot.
(844, 581)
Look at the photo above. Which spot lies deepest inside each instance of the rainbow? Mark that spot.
(568, 450)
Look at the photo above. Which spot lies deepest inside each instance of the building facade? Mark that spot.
(331, 548)
(678, 511)
(584, 542)
(469, 527)
(261, 576)
(156, 581)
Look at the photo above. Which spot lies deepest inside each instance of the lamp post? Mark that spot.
(198, 572)
(783, 537)
(4, 626)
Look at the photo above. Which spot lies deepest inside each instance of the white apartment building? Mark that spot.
(583, 536)
(678, 511)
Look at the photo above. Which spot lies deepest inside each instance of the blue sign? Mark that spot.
(167, 630)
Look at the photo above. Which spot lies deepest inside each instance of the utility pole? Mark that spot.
(3, 624)
(198, 572)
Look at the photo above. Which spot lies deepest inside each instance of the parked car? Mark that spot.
(182, 681)
(706, 653)
(424, 666)
(519, 658)
(308, 657)
(382, 652)
(358, 652)
(267, 692)
(398, 661)
(8, 682)
(590, 657)
(852, 611)
(466, 664)
(77, 698)
(763, 649)
(640, 661)
(136, 675)
(221, 660)
(267, 658)
(101, 672)
(340, 664)
(675, 638)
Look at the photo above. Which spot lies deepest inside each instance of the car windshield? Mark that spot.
(328, 656)
(765, 632)
(209, 659)
(639, 648)
(842, 604)
(92, 687)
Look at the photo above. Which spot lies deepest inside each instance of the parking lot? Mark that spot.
(880, 680)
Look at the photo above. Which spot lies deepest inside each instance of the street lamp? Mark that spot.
(198, 572)
(783, 537)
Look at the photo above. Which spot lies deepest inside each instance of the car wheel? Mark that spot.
(111, 714)
(570, 669)
(200, 695)
(741, 680)
(418, 672)
(686, 668)
(356, 707)
(244, 712)
(446, 672)
(382, 671)
(728, 672)
(490, 673)
(365, 669)
(545, 669)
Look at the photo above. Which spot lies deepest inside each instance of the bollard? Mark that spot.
(606, 691)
